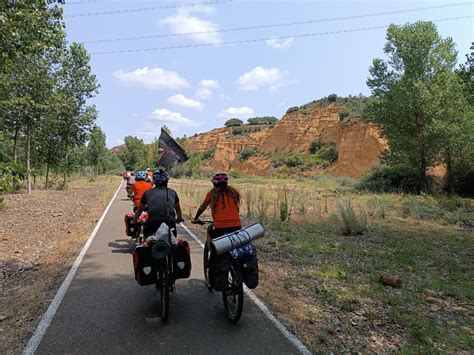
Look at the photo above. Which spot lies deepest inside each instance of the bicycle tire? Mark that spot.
(233, 298)
(164, 288)
(205, 264)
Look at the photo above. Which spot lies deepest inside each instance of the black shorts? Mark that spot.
(218, 232)
(152, 227)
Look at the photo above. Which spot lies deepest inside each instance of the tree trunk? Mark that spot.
(47, 175)
(28, 148)
(65, 170)
(15, 144)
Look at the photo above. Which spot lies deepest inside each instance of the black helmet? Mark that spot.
(160, 176)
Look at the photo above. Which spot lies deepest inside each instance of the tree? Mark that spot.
(233, 122)
(97, 149)
(133, 156)
(410, 99)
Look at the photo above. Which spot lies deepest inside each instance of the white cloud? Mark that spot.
(205, 88)
(152, 78)
(243, 112)
(194, 28)
(259, 77)
(183, 101)
(209, 84)
(279, 43)
(172, 118)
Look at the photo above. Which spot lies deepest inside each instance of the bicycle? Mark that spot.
(164, 280)
(233, 296)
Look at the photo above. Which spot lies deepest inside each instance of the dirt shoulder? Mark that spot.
(40, 237)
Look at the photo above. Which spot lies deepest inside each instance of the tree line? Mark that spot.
(45, 84)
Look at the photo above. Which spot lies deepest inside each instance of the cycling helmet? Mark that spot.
(219, 179)
(160, 176)
(141, 175)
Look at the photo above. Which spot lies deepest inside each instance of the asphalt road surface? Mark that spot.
(105, 311)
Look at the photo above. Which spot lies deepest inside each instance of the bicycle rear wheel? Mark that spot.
(205, 260)
(164, 288)
(233, 298)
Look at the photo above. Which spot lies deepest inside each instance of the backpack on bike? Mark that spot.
(129, 227)
(181, 260)
(247, 257)
(145, 266)
(219, 266)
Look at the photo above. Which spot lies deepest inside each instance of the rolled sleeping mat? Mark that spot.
(160, 249)
(238, 238)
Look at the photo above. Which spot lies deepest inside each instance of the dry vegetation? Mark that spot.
(327, 246)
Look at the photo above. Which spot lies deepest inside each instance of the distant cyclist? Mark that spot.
(224, 201)
(139, 188)
(130, 182)
(162, 203)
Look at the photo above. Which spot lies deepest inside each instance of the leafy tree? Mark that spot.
(97, 149)
(466, 74)
(233, 122)
(408, 88)
(332, 98)
(134, 153)
(263, 120)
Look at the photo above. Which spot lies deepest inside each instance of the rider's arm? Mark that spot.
(179, 214)
(203, 207)
(138, 213)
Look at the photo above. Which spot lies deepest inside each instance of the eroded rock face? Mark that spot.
(359, 145)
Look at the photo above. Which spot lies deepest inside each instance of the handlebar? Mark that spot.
(201, 222)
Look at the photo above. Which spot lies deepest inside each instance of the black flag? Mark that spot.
(170, 151)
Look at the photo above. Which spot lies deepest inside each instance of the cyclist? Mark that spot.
(162, 203)
(139, 188)
(130, 182)
(224, 201)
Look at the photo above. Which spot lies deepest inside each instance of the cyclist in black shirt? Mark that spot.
(163, 205)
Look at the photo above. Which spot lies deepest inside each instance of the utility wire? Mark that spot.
(284, 24)
(304, 35)
(153, 8)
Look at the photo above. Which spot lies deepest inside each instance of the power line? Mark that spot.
(264, 39)
(153, 8)
(284, 24)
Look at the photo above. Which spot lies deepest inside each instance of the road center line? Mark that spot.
(268, 313)
(53, 307)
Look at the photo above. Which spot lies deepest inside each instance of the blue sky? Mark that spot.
(195, 89)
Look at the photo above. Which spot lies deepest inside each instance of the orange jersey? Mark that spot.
(226, 214)
(139, 188)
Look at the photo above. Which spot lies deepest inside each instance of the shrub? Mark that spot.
(263, 120)
(290, 159)
(233, 122)
(347, 221)
(11, 175)
(292, 109)
(346, 181)
(332, 98)
(207, 154)
(246, 153)
(385, 178)
(314, 146)
(464, 183)
(237, 130)
(327, 152)
(234, 174)
(343, 115)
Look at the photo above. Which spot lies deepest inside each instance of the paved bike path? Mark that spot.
(105, 311)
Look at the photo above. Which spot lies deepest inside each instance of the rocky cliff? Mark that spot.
(358, 144)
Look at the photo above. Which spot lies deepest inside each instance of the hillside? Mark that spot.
(284, 148)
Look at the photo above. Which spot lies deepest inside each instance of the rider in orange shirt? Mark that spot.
(139, 187)
(224, 201)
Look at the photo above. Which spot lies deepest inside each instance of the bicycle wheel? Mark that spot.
(233, 298)
(164, 288)
(205, 261)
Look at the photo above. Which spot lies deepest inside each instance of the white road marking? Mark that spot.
(268, 313)
(35, 340)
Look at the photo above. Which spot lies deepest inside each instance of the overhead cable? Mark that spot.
(263, 39)
(152, 8)
(284, 24)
